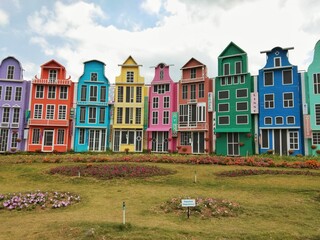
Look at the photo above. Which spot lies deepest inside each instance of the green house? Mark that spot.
(234, 124)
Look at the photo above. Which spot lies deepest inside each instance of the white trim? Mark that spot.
(242, 110)
(291, 77)
(54, 111)
(264, 120)
(221, 104)
(292, 99)
(264, 78)
(34, 110)
(43, 139)
(239, 90)
(224, 98)
(66, 115)
(225, 124)
(294, 120)
(225, 64)
(67, 93)
(275, 120)
(274, 61)
(55, 92)
(264, 99)
(244, 115)
(235, 67)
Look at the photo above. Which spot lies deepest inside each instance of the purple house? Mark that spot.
(162, 109)
(14, 102)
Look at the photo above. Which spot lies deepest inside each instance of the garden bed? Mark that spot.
(250, 172)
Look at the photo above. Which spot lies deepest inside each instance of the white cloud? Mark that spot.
(4, 18)
(151, 6)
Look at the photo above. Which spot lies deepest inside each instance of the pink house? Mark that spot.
(162, 130)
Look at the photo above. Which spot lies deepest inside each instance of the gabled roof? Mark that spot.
(231, 49)
(192, 60)
(273, 49)
(130, 62)
(52, 62)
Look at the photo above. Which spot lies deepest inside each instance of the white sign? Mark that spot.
(254, 103)
(188, 202)
(210, 104)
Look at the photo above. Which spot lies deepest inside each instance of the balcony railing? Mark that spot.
(49, 122)
(193, 125)
(51, 81)
(187, 80)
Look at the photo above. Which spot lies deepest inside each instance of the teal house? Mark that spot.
(92, 120)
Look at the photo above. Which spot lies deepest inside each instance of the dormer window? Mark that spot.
(130, 77)
(10, 72)
(277, 62)
(193, 72)
(52, 75)
(94, 77)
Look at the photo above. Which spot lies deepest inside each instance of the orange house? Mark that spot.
(51, 102)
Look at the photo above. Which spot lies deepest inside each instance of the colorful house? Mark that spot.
(195, 109)
(162, 106)
(51, 102)
(280, 109)
(92, 126)
(14, 100)
(234, 128)
(130, 107)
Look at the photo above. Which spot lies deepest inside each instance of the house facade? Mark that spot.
(129, 109)
(280, 109)
(162, 106)
(234, 129)
(195, 109)
(51, 102)
(14, 101)
(92, 128)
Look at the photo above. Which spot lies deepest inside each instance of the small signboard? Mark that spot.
(188, 202)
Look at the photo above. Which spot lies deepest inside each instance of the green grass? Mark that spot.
(273, 207)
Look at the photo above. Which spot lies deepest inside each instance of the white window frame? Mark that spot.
(37, 112)
(288, 101)
(10, 72)
(240, 89)
(269, 101)
(138, 115)
(93, 95)
(294, 120)
(8, 93)
(228, 104)
(219, 98)
(155, 117)
(63, 94)
(92, 115)
(166, 117)
(155, 102)
(102, 119)
(201, 112)
(94, 77)
(82, 136)
(264, 78)
(130, 77)
(317, 114)
(82, 114)
(36, 135)
(120, 93)
(278, 117)
(119, 115)
(294, 140)
(224, 69)
(316, 138)
(267, 133)
(39, 92)
(51, 92)
(246, 102)
(274, 61)
(53, 75)
(243, 115)
(185, 91)
(193, 73)
(138, 94)
(18, 94)
(166, 102)
(62, 112)
(225, 124)
(50, 111)
(290, 70)
(235, 67)
(265, 122)
(60, 138)
(316, 83)
(14, 137)
(16, 115)
(6, 115)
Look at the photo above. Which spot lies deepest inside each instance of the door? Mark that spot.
(116, 142)
(198, 142)
(4, 140)
(47, 143)
(280, 141)
(97, 138)
(160, 141)
(233, 144)
(138, 145)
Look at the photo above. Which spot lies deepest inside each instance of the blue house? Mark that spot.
(280, 110)
(92, 123)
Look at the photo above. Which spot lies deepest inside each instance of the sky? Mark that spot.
(154, 31)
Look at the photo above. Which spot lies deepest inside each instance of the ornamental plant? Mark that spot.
(250, 172)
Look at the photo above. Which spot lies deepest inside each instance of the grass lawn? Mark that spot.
(273, 206)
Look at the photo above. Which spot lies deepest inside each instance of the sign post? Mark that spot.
(188, 203)
(124, 213)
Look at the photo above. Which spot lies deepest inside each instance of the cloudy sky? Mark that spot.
(154, 31)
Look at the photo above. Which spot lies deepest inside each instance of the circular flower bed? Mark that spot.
(110, 171)
(38, 199)
(249, 172)
(205, 207)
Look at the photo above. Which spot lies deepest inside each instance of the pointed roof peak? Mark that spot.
(232, 49)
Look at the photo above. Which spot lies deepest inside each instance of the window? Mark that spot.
(163, 88)
(60, 138)
(37, 111)
(242, 79)
(8, 93)
(130, 76)
(81, 135)
(5, 115)
(119, 115)
(236, 79)
(63, 92)
(120, 94)
(94, 77)
(229, 80)
(102, 115)
(52, 92)
(14, 138)
(316, 83)
(36, 136)
(267, 120)
(317, 112)
(279, 120)
(139, 94)
(129, 116)
(16, 115)
(161, 74)
(50, 111)
(0, 92)
(138, 115)
(82, 115)
(242, 93)
(83, 96)
(316, 138)
(242, 119)
(155, 117)
(103, 94)
(92, 114)
(223, 120)
(155, 88)
(10, 72)
(268, 78)
(165, 117)
(277, 62)
(223, 94)
(184, 91)
(287, 76)
(287, 100)
(268, 101)
(290, 120)
(226, 68)
(242, 106)
(39, 91)
(93, 93)
(201, 112)
(265, 138)
(62, 113)
(52, 75)
(223, 81)
(155, 102)
(193, 91)
(223, 107)
(201, 90)
(238, 67)
(166, 102)
(294, 140)
(183, 114)
(185, 138)
(193, 72)
(17, 96)
(129, 94)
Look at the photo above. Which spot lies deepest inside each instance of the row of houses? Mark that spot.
(235, 113)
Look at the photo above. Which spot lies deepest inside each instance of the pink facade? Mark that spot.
(162, 104)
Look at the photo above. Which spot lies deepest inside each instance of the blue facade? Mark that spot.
(92, 123)
(280, 105)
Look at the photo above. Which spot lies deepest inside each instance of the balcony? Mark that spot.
(52, 82)
(192, 80)
(193, 126)
(49, 122)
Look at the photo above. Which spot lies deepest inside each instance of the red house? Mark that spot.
(51, 102)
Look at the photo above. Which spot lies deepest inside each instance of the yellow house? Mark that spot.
(128, 122)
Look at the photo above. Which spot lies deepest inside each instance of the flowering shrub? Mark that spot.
(38, 199)
(110, 171)
(248, 172)
(205, 207)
